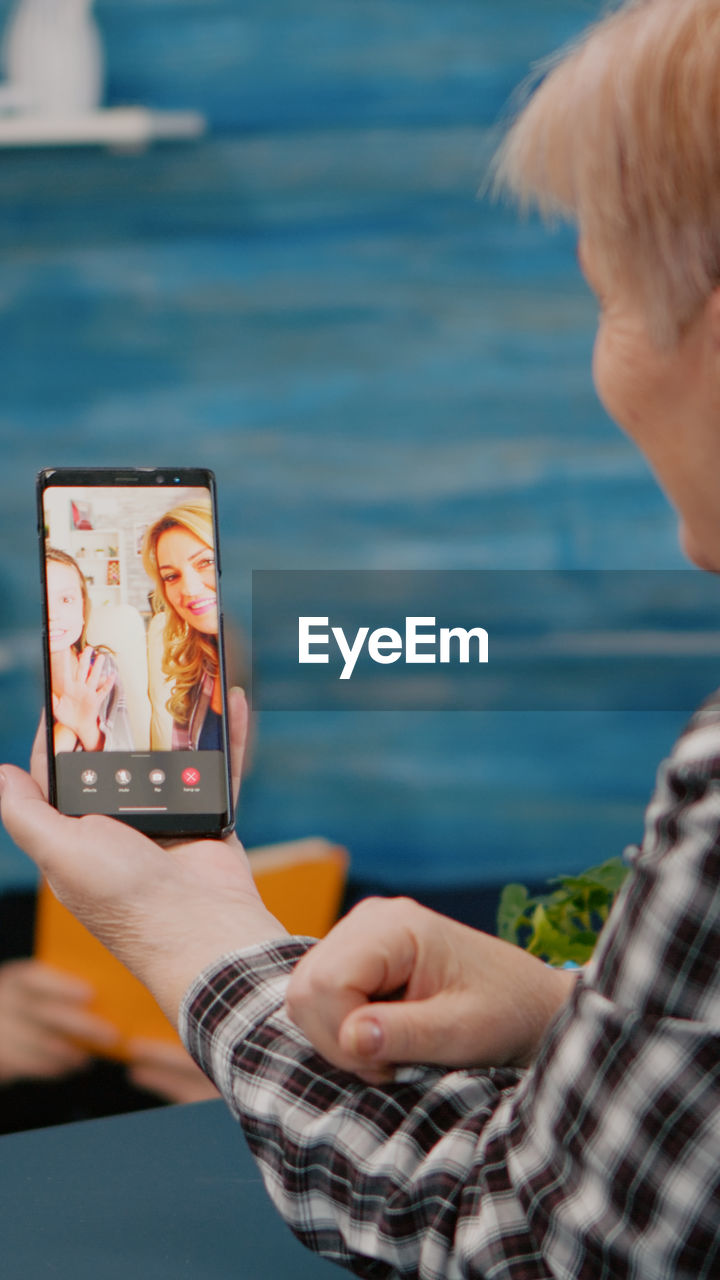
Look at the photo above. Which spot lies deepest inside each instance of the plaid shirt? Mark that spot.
(602, 1161)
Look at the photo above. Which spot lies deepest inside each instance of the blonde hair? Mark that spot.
(187, 653)
(623, 135)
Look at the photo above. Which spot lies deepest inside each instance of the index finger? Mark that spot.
(370, 953)
(367, 954)
(43, 981)
(85, 663)
(238, 718)
(95, 668)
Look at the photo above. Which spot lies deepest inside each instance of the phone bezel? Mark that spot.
(169, 825)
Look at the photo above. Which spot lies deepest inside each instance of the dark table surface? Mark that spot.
(158, 1195)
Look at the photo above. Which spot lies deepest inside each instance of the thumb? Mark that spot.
(398, 1031)
(27, 817)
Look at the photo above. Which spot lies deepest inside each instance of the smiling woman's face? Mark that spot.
(668, 401)
(187, 568)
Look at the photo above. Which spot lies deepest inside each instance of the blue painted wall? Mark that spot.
(383, 370)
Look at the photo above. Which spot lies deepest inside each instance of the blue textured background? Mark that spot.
(383, 371)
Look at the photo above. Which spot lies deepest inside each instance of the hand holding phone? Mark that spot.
(134, 656)
(166, 913)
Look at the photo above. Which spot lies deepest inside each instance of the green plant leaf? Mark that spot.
(565, 923)
(512, 911)
(555, 945)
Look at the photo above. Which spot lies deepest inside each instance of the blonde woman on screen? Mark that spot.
(179, 557)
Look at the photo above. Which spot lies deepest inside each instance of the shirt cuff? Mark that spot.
(234, 995)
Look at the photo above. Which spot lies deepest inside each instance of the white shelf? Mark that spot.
(122, 127)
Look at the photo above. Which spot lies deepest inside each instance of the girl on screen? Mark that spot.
(90, 713)
(179, 557)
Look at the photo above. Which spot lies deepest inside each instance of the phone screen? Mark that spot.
(134, 659)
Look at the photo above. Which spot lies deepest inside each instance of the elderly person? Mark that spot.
(581, 1136)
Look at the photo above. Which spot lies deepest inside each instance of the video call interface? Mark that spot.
(133, 624)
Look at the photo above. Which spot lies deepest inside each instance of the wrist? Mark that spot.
(91, 737)
(543, 999)
(178, 950)
(64, 739)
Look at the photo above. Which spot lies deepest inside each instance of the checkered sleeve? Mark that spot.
(375, 1178)
(599, 1163)
(615, 1140)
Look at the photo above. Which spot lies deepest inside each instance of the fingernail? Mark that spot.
(3, 780)
(368, 1038)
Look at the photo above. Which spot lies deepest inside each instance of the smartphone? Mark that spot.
(134, 658)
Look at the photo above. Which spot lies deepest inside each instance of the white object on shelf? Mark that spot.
(52, 96)
(95, 550)
(131, 127)
(53, 57)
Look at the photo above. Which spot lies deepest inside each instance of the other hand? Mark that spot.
(394, 982)
(43, 1013)
(165, 912)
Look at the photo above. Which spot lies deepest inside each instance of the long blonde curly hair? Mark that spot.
(187, 654)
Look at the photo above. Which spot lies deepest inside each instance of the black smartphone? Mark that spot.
(133, 647)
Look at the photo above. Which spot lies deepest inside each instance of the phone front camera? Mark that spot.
(177, 479)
